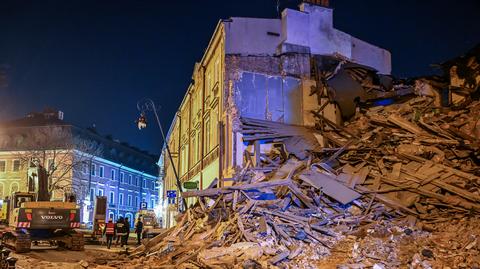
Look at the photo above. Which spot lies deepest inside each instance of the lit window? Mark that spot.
(93, 169)
(16, 165)
(100, 171)
(3, 166)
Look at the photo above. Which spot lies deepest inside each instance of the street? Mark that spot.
(67, 259)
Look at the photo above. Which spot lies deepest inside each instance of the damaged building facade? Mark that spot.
(256, 68)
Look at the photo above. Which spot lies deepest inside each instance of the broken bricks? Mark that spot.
(391, 175)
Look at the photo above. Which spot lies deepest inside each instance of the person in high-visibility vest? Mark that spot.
(109, 232)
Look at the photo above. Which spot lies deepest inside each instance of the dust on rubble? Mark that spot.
(65, 259)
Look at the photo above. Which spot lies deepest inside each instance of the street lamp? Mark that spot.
(147, 104)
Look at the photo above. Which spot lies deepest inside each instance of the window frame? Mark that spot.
(129, 200)
(112, 197)
(4, 166)
(120, 198)
(50, 164)
(13, 165)
(101, 171)
(93, 169)
(17, 187)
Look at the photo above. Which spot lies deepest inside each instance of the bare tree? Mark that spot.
(66, 157)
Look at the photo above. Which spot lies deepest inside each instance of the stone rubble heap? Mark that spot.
(397, 174)
(396, 186)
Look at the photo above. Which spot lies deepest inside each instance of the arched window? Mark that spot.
(111, 215)
(14, 187)
(2, 187)
(130, 219)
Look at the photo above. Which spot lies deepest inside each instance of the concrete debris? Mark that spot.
(83, 263)
(464, 71)
(397, 186)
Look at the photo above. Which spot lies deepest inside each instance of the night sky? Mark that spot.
(95, 59)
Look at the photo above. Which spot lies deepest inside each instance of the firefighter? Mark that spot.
(139, 229)
(127, 230)
(120, 231)
(109, 232)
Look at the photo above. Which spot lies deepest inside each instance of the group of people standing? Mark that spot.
(121, 231)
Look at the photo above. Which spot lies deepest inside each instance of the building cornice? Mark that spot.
(114, 164)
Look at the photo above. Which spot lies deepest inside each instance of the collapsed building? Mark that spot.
(395, 185)
(265, 69)
(298, 149)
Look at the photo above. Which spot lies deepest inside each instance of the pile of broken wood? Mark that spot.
(404, 167)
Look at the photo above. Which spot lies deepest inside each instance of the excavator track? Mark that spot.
(18, 242)
(78, 242)
(23, 243)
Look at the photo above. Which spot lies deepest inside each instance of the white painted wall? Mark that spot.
(365, 53)
(249, 36)
(312, 27)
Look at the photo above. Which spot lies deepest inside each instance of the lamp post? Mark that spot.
(147, 104)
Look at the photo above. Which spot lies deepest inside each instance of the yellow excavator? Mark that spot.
(31, 221)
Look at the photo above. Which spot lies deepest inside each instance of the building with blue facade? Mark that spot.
(78, 160)
(124, 186)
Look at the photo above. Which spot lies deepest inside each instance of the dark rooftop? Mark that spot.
(112, 149)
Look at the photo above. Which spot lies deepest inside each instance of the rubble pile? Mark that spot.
(396, 186)
(377, 196)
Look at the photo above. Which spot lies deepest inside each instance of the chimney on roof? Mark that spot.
(323, 3)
